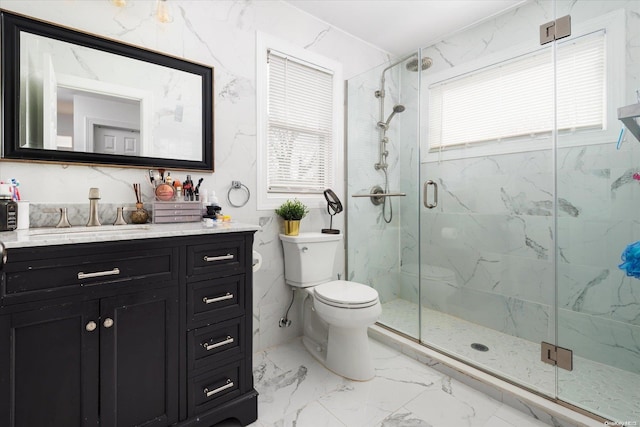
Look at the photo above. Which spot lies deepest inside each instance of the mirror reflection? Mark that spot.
(83, 99)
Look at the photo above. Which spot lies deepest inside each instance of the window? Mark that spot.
(514, 98)
(300, 139)
(507, 104)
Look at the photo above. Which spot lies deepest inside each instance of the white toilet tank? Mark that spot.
(309, 258)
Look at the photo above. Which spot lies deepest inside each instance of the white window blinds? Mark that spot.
(299, 126)
(515, 98)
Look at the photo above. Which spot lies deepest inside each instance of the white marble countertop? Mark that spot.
(105, 233)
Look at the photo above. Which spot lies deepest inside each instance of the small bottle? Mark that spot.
(213, 200)
(178, 187)
(187, 187)
(204, 197)
(168, 179)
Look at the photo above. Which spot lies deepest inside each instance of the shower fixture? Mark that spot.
(413, 63)
(383, 126)
(398, 108)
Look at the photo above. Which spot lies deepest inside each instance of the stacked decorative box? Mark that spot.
(165, 212)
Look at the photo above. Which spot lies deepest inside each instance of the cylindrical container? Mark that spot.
(291, 227)
(8, 214)
(23, 215)
(5, 190)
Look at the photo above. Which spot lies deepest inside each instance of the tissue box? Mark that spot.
(166, 212)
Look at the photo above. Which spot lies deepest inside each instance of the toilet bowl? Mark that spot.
(336, 313)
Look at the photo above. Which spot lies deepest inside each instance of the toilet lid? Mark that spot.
(342, 293)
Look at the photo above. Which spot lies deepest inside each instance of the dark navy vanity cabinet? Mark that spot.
(145, 332)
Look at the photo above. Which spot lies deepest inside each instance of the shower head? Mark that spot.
(398, 108)
(424, 64)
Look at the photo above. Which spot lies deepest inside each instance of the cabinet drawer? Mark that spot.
(177, 218)
(210, 344)
(222, 256)
(215, 387)
(41, 277)
(215, 300)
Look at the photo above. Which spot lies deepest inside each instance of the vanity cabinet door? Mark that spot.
(139, 359)
(54, 353)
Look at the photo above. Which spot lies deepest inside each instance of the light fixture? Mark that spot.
(119, 3)
(162, 11)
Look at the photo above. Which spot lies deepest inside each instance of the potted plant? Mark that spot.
(292, 211)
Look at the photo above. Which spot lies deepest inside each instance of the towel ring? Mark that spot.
(237, 185)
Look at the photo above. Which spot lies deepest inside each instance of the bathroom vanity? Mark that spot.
(140, 326)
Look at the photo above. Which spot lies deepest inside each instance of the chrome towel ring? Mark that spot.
(237, 185)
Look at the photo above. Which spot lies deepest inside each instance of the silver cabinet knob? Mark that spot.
(108, 322)
(91, 326)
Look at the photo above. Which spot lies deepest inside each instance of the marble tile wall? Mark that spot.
(222, 34)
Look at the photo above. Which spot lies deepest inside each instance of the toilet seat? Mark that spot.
(345, 294)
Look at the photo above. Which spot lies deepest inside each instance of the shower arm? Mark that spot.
(382, 79)
(380, 94)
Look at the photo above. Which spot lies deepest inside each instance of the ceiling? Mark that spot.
(400, 26)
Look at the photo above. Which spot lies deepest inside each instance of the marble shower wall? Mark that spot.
(373, 245)
(222, 34)
(494, 228)
(493, 232)
(378, 250)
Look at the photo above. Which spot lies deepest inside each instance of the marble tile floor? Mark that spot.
(296, 390)
(610, 392)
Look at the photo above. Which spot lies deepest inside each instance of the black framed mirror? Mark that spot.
(73, 97)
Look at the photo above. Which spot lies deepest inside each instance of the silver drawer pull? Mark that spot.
(208, 346)
(113, 272)
(218, 258)
(208, 393)
(217, 299)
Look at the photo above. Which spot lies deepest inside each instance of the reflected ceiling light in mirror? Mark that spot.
(162, 11)
(119, 3)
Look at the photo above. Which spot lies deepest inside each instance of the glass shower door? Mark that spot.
(598, 192)
(382, 154)
(487, 246)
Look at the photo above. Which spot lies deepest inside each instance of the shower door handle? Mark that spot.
(425, 193)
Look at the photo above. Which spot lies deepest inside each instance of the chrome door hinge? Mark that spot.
(555, 30)
(557, 356)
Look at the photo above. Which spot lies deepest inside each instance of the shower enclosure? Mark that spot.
(491, 193)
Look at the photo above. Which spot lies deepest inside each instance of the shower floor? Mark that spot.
(610, 392)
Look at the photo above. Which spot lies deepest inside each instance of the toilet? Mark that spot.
(336, 313)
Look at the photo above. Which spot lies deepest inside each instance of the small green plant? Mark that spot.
(292, 210)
